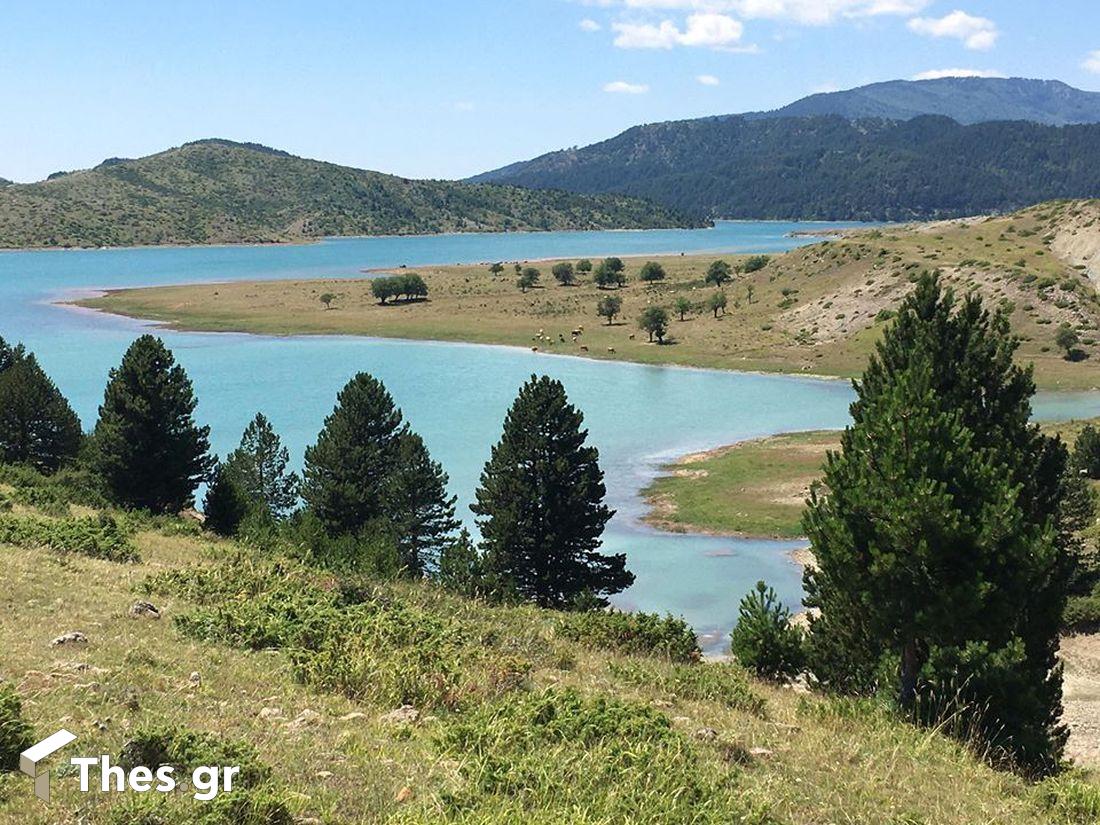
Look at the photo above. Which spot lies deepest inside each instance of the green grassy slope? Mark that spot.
(216, 191)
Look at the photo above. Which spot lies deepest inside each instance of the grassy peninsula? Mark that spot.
(219, 191)
(815, 310)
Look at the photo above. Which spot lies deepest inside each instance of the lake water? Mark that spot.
(456, 395)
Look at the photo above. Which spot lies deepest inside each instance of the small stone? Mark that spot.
(324, 774)
(73, 637)
(706, 734)
(759, 753)
(403, 795)
(402, 715)
(271, 713)
(144, 610)
(350, 717)
(195, 679)
(304, 719)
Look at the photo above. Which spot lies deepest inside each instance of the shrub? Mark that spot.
(226, 503)
(645, 633)
(725, 683)
(1082, 613)
(764, 639)
(15, 733)
(755, 263)
(186, 749)
(1086, 452)
(99, 537)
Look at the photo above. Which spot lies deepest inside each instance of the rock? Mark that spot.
(81, 667)
(73, 637)
(349, 717)
(191, 514)
(403, 795)
(303, 720)
(706, 734)
(406, 714)
(195, 679)
(324, 774)
(759, 753)
(144, 610)
(271, 713)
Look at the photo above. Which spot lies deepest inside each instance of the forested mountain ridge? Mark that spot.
(218, 191)
(829, 167)
(966, 100)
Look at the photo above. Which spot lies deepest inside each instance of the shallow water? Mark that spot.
(456, 395)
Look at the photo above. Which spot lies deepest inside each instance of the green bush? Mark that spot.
(70, 485)
(187, 749)
(1086, 452)
(99, 537)
(646, 633)
(764, 639)
(726, 683)
(15, 733)
(1082, 613)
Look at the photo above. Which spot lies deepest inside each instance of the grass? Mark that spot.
(582, 733)
(759, 487)
(815, 310)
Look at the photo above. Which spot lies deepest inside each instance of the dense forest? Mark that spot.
(217, 191)
(829, 168)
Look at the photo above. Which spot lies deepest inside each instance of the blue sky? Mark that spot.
(427, 88)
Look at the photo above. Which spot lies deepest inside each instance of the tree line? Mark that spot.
(370, 493)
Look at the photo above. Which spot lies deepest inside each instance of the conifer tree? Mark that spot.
(226, 504)
(541, 503)
(348, 471)
(259, 466)
(422, 512)
(939, 547)
(148, 449)
(37, 425)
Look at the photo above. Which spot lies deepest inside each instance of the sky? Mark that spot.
(449, 88)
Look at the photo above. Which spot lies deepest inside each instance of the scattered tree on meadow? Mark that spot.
(540, 503)
(528, 278)
(764, 640)
(683, 306)
(347, 471)
(755, 263)
(652, 271)
(496, 268)
(226, 503)
(259, 466)
(584, 266)
(563, 273)
(327, 298)
(654, 320)
(608, 307)
(422, 512)
(717, 303)
(37, 425)
(147, 447)
(409, 286)
(610, 273)
(940, 546)
(749, 290)
(719, 273)
(1066, 338)
(1086, 452)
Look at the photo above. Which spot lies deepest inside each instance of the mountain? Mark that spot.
(828, 167)
(966, 100)
(219, 191)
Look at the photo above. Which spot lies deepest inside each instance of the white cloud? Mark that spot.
(704, 29)
(936, 74)
(589, 25)
(623, 88)
(977, 33)
(708, 79)
(806, 12)
(1092, 62)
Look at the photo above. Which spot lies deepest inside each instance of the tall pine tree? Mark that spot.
(940, 546)
(148, 448)
(423, 513)
(259, 466)
(37, 425)
(541, 503)
(348, 471)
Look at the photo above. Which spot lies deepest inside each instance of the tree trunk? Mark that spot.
(911, 662)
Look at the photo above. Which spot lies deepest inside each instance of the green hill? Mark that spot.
(963, 99)
(217, 191)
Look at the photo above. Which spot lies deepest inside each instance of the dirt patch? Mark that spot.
(1081, 697)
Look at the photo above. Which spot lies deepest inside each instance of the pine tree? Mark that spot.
(348, 471)
(541, 503)
(259, 466)
(422, 512)
(227, 503)
(37, 425)
(764, 640)
(939, 546)
(148, 448)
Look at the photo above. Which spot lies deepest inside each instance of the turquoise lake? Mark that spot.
(456, 395)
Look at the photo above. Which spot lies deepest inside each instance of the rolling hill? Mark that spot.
(966, 100)
(218, 191)
(899, 150)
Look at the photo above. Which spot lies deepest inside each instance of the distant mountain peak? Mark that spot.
(966, 100)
